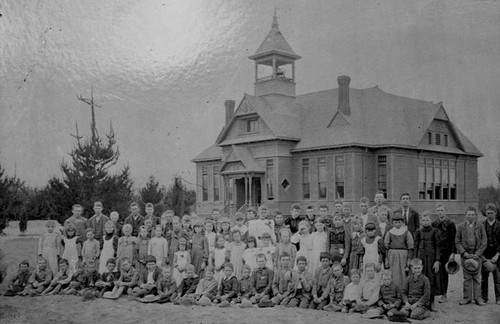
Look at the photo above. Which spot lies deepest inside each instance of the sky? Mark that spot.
(161, 71)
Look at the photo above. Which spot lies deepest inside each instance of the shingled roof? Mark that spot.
(274, 43)
(377, 119)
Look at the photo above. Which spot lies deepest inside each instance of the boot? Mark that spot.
(433, 306)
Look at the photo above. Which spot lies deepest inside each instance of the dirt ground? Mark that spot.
(71, 309)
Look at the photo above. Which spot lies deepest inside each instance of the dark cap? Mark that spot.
(370, 226)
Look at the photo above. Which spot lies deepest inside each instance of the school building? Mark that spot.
(278, 148)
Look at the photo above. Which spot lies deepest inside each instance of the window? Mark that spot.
(216, 184)
(230, 188)
(270, 179)
(382, 174)
(438, 139)
(322, 178)
(429, 138)
(306, 193)
(445, 139)
(204, 182)
(252, 125)
(436, 179)
(339, 177)
(453, 181)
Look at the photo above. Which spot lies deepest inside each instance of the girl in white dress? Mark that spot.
(221, 256)
(319, 245)
(72, 249)
(49, 246)
(236, 249)
(250, 254)
(211, 237)
(109, 245)
(181, 259)
(304, 238)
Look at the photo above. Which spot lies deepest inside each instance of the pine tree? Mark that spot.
(179, 199)
(12, 199)
(152, 192)
(88, 177)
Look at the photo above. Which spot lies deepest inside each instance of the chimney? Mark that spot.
(344, 106)
(229, 110)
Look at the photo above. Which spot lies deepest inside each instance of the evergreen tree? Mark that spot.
(12, 196)
(88, 177)
(152, 193)
(179, 199)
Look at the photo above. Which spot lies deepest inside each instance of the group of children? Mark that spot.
(366, 263)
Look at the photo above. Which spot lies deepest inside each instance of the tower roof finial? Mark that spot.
(275, 19)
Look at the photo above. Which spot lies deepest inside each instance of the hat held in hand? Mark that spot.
(452, 267)
(471, 265)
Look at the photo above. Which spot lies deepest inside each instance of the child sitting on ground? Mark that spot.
(20, 280)
(229, 286)
(281, 280)
(262, 279)
(416, 292)
(108, 277)
(321, 278)
(390, 295)
(76, 280)
(335, 288)
(187, 288)
(352, 293)
(126, 282)
(61, 279)
(148, 278)
(371, 290)
(166, 287)
(39, 280)
(301, 294)
(246, 286)
(90, 290)
(206, 290)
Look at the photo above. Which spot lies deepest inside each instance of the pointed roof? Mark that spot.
(243, 155)
(279, 113)
(274, 43)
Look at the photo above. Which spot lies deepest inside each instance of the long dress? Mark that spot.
(182, 261)
(356, 252)
(236, 253)
(158, 247)
(219, 260)
(70, 252)
(399, 243)
(446, 242)
(199, 251)
(126, 248)
(319, 244)
(49, 247)
(211, 245)
(306, 247)
(108, 251)
(249, 256)
(372, 251)
(427, 250)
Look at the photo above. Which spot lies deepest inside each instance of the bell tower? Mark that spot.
(274, 64)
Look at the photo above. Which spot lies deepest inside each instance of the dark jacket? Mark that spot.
(461, 240)
(447, 232)
(492, 239)
(188, 286)
(262, 280)
(136, 224)
(417, 290)
(143, 276)
(413, 222)
(229, 287)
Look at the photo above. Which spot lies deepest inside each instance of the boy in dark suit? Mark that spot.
(492, 252)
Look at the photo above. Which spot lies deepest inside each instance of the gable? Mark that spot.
(440, 134)
(338, 120)
(441, 114)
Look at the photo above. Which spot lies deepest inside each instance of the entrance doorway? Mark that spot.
(248, 192)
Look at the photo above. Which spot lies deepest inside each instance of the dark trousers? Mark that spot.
(485, 275)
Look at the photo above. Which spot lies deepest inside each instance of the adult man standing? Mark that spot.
(135, 219)
(447, 249)
(97, 222)
(79, 223)
(411, 218)
(491, 253)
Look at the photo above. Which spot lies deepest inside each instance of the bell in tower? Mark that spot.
(275, 64)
